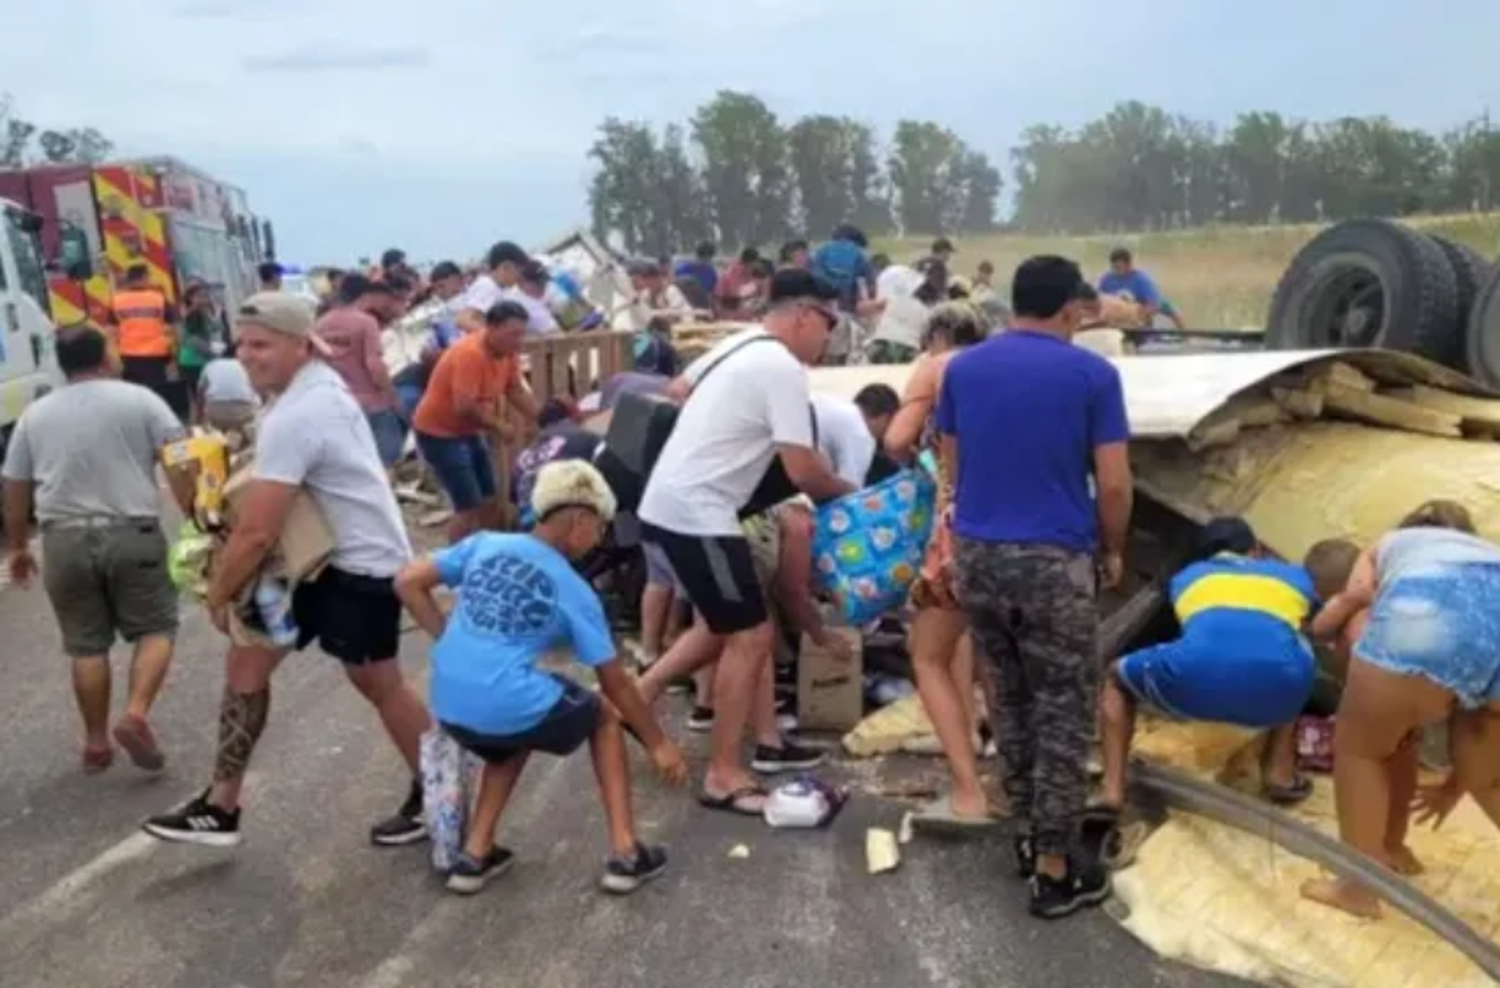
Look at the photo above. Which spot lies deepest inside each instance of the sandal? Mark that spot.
(734, 802)
(938, 817)
(1290, 795)
(96, 760)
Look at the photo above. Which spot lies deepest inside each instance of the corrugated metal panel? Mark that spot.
(1166, 395)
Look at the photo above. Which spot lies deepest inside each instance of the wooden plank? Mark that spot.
(1480, 411)
(1342, 374)
(1383, 410)
(1302, 403)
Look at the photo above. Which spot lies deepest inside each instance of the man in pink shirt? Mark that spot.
(352, 332)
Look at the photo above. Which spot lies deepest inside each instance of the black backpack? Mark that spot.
(639, 428)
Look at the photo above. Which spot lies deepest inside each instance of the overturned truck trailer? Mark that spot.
(1306, 445)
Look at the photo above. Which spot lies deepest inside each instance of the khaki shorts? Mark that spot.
(107, 581)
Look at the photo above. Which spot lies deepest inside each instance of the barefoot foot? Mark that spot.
(1403, 862)
(1342, 895)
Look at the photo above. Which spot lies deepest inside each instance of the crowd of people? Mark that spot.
(1027, 436)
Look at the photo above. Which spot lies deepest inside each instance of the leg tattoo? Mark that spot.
(242, 718)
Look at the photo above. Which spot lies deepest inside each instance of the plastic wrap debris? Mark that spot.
(867, 546)
(882, 691)
(188, 559)
(804, 803)
(448, 782)
(888, 729)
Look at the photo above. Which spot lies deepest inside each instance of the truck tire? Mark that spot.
(1368, 283)
(1470, 270)
(1482, 337)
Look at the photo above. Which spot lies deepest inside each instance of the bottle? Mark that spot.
(274, 602)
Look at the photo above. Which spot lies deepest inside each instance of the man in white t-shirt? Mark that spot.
(228, 400)
(313, 437)
(531, 292)
(745, 404)
(503, 265)
(844, 437)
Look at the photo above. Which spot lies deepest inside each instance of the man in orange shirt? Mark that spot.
(462, 404)
(144, 337)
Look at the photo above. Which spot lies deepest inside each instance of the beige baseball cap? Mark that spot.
(283, 313)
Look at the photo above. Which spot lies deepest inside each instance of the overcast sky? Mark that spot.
(441, 125)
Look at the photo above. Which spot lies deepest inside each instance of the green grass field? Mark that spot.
(1219, 277)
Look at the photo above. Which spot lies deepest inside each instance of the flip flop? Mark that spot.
(1290, 795)
(938, 817)
(733, 802)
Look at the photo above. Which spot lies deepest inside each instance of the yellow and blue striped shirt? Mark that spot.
(1230, 584)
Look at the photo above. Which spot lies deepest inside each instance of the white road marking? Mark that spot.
(71, 894)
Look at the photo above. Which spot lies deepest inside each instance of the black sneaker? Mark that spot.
(701, 720)
(623, 876)
(199, 822)
(471, 875)
(787, 758)
(407, 826)
(1086, 884)
(1025, 856)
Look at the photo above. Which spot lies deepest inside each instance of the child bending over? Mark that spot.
(1241, 659)
(520, 598)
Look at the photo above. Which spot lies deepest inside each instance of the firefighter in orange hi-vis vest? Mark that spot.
(145, 338)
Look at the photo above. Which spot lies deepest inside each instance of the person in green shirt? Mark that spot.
(196, 341)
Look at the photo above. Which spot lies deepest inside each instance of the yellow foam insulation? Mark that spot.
(889, 729)
(1300, 483)
(1221, 899)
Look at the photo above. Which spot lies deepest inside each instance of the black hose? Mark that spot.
(1234, 809)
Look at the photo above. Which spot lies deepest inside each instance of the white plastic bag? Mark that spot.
(448, 775)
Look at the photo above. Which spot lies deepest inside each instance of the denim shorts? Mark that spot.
(1442, 625)
(390, 435)
(462, 467)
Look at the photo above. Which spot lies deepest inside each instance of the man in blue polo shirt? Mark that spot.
(1027, 421)
(1124, 278)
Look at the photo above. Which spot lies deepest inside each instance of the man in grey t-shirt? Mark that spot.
(312, 437)
(85, 457)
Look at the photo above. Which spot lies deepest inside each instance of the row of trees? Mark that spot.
(23, 142)
(737, 174)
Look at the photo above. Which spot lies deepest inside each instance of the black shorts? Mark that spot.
(572, 720)
(717, 574)
(356, 619)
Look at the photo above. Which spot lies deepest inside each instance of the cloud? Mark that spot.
(314, 59)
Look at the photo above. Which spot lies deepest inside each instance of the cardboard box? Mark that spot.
(830, 693)
(306, 539)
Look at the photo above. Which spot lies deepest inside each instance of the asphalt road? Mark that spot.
(87, 900)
